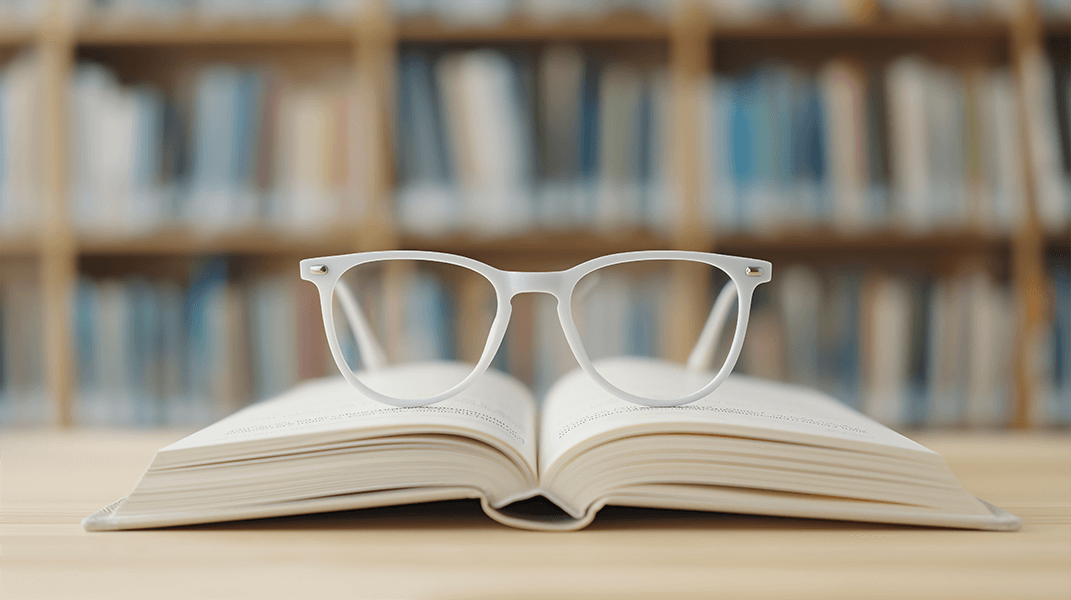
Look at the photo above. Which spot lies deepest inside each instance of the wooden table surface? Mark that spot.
(50, 480)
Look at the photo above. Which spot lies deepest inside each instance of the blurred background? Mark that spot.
(905, 164)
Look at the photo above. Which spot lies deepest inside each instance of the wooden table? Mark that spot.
(50, 480)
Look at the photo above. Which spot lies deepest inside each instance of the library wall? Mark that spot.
(906, 167)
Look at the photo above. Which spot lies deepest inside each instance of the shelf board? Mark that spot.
(181, 242)
(618, 26)
(13, 37)
(196, 32)
(572, 243)
(894, 29)
(19, 245)
(1059, 239)
(1057, 27)
(886, 241)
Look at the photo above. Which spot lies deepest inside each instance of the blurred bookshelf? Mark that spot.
(368, 62)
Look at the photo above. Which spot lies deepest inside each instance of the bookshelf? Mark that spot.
(693, 42)
(247, 242)
(614, 28)
(942, 246)
(902, 31)
(303, 31)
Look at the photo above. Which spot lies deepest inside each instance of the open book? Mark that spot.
(752, 446)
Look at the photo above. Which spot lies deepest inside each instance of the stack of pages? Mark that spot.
(752, 446)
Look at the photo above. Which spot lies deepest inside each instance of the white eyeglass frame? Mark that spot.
(746, 273)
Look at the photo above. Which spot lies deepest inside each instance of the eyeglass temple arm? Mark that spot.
(703, 352)
(372, 354)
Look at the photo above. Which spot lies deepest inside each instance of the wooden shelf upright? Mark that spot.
(1028, 240)
(58, 252)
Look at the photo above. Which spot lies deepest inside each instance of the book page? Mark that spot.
(577, 410)
(495, 406)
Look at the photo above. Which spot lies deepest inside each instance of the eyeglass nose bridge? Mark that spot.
(522, 282)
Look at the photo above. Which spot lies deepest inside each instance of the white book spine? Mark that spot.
(907, 82)
(618, 194)
(989, 373)
(844, 99)
(887, 356)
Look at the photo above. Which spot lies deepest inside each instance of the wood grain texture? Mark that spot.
(50, 480)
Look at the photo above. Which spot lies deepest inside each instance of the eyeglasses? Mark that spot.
(626, 317)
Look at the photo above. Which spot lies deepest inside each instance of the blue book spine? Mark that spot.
(763, 147)
(206, 280)
(589, 133)
(725, 211)
(781, 94)
(808, 146)
(217, 132)
(148, 140)
(141, 322)
(85, 309)
(251, 91)
(522, 85)
(1062, 343)
(173, 343)
(421, 150)
(846, 344)
(918, 369)
(742, 131)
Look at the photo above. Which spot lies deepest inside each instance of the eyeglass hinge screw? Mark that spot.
(753, 271)
(321, 269)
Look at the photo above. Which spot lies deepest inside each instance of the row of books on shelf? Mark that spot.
(916, 145)
(236, 146)
(497, 143)
(907, 349)
(493, 11)
(931, 352)
(157, 352)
